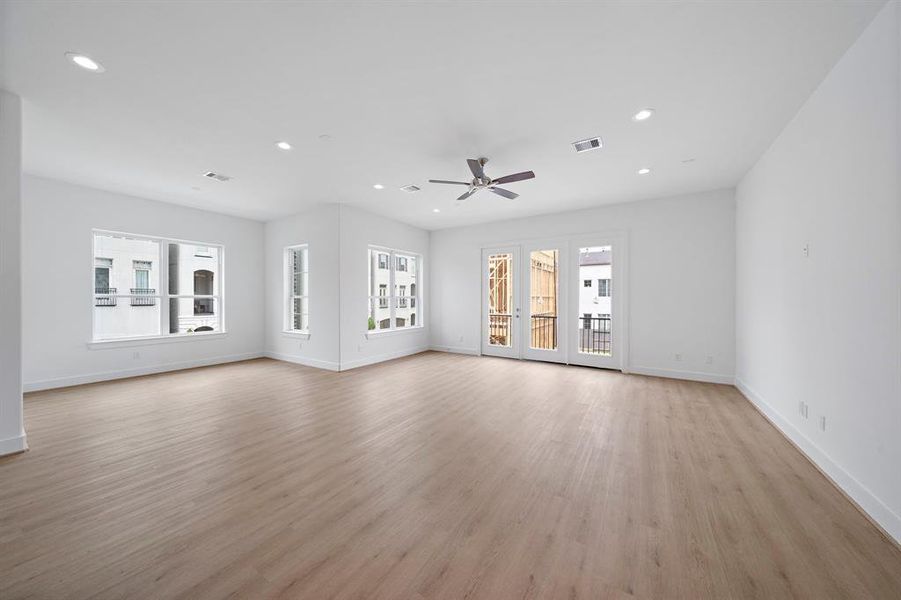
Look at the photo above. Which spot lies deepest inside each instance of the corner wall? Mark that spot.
(57, 262)
(12, 429)
(825, 328)
(319, 229)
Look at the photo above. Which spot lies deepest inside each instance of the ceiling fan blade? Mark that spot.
(515, 177)
(504, 193)
(468, 194)
(476, 167)
(451, 182)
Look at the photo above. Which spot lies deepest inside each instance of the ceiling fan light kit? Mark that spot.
(481, 181)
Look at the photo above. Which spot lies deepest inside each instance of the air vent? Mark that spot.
(411, 188)
(216, 176)
(589, 144)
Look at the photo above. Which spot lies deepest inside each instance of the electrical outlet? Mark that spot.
(461, 338)
(709, 360)
(822, 422)
(300, 346)
(806, 250)
(678, 357)
(802, 408)
(136, 355)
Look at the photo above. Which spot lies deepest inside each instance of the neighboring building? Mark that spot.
(405, 282)
(595, 294)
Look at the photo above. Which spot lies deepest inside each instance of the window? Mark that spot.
(297, 288)
(586, 283)
(603, 288)
(393, 290)
(160, 294)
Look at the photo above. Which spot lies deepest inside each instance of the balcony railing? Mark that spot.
(143, 296)
(499, 329)
(544, 332)
(595, 335)
(106, 296)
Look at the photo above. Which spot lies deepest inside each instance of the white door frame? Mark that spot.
(514, 349)
(559, 354)
(619, 349)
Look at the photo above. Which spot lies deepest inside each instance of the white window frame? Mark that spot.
(288, 261)
(162, 296)
(394, 300)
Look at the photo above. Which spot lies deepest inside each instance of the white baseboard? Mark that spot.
(13, 445)
(371, 360)
(456, 350)
(47, 384)
(302, 360)
(687, 375)
(878, 512)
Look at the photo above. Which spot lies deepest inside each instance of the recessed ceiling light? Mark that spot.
(644, 171)
(85, 62)
(379, 186)
(283, 145)
(436, 210)
(643, 115)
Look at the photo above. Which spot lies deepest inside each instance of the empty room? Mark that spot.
(442, 300)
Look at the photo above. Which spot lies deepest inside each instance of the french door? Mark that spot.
(544, 323)
(501, 333)
(556, 300)
(597, 329)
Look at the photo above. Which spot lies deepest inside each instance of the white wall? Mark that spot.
(359, 230)
(319, 229)
(12, 431)
(681, 279)
(58, 280)
(826, 329)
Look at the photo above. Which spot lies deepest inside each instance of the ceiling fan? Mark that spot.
(481, 181)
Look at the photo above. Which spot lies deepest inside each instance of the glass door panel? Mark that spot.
(595, 308)
(542, 326)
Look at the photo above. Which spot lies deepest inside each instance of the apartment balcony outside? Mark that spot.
(106, 296)
(143, 296)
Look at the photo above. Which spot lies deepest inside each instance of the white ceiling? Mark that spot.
(407, 92)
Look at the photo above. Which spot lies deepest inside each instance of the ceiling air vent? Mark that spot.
(589, 144)
(216, 176)
(411, 188)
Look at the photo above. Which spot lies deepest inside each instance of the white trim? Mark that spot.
(13, 445)
(371, 360)
(865, 500)
(296, 333)
(687, 375)
(377, 333)
(154, 339)
(302, 360)
(59, 382)
(456, 350)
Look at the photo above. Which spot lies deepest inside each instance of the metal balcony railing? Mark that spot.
(544, 332)
(106, 296)
(595, 335)
(499, 329)
(138, 297)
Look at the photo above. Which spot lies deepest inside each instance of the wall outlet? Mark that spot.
(136, 355)
(806, 250)
(802, 408)
(461, 338)
(822, 422)
(300, 346)
(709, 360)
(677, 357)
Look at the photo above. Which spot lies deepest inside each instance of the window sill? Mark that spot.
(155, 339)
(389, 332)
(304, 335)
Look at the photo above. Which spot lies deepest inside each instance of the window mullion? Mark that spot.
(392, 302)
(164, 287)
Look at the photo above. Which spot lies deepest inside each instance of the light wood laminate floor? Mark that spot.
(433, 476)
